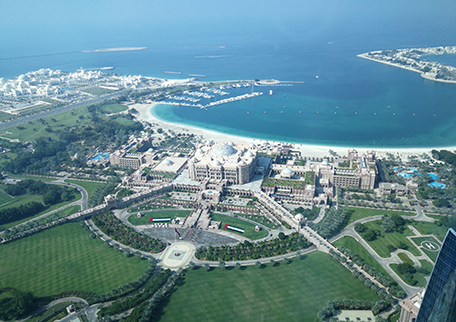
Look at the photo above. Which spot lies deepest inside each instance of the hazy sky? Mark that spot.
(27, 23)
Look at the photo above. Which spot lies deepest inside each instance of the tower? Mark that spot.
(439, 302)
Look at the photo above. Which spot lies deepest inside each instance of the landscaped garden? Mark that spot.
(249, 228)
(259, 219)
(294, 292)
(246, 250)
(385, 242)
(114, 228)
(412, 275)
(89, 186)
(146, 217)
(360, 213)
(31, 198)
(65, 258)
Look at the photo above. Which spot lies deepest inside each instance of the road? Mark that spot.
(384, 262)
(59, 110)
(81, 202)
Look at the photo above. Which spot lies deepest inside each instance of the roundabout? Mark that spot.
(177, 255)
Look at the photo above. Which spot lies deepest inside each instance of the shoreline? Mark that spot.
(308, 150)
(422, 74)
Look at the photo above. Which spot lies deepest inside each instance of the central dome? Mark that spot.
(223, 150)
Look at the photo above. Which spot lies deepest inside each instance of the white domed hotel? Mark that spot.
(234, 163)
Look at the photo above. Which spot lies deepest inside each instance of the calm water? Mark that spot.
(353, 102)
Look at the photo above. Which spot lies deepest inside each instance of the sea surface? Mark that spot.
(345, 100)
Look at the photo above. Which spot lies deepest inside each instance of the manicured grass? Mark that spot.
(393, 238)
(360, 213)
(122, 120)
(360, 251)
(8, 156)
(70, 210)
(294, 292)
(259, 219)
(395, 317)
(429, 228)
(37, 129)
(4, 198)
(431, 255)
(5, 116)
(20, 176)
(405, 259)
(20, 200)
(419, 277)
(65, 258)
(48, 313)
(149, 206)
(144, 220)
(249, 229)
(113, 108)
(89, 186)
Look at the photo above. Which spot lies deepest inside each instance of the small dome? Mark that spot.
(216, 163)
(242, 162)
(200, 151)
(167, 162)
(250, 154)
(287, 171)
(299, 216)
(194, 159)
(231, 143)
(223, 150)
(325, 162)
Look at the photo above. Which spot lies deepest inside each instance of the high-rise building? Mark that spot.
(439, 301)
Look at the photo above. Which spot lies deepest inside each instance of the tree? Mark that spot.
(370, 235)
(207, 267)
(360, 228)
(388, 225)
(222, 265)
(258, 264)
(272, 262)
(238, 265)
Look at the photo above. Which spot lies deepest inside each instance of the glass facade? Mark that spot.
(439, 302)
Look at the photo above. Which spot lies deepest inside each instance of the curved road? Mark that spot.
(59, 110)
(384, 262)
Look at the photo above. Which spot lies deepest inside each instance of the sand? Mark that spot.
(307, 150)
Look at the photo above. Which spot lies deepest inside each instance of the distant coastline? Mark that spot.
(114, 49)
(410, 59)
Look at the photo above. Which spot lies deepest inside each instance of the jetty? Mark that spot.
(174, 73)
(114, 49)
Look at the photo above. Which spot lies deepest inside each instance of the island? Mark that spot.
(114, 49)
(412, 59)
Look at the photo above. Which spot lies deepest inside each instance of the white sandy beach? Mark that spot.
(305, 149)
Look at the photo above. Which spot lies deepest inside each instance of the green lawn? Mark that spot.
(87, 185)
(404, 258)
(45, 315)
(20, 176)
(429, 228)
(149, 206)
(360, 251)
(70, 210)
(421, 281)
(239, 223)
(259, 219)
(30, 131)
(65, 258)
(20, 200)
(360, 213)
(393, 238)
(294, 292)
(114, 108)
(4, 198)
(5, 116)
(144, 220)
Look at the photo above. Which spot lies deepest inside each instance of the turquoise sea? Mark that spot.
(345, 101)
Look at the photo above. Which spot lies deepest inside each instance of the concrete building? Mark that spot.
(233, 163)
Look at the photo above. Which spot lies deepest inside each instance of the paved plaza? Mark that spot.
(177, 255)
